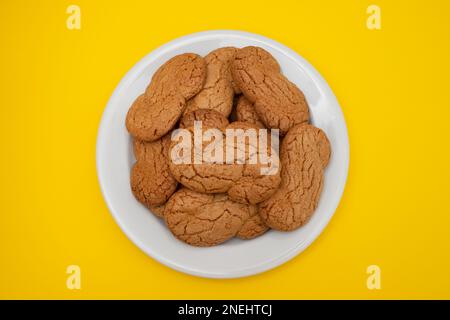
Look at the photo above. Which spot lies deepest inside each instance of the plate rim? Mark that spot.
(136, 70)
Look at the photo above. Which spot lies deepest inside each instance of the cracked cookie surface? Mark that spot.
(253, 226)
(203, 219)
(305, 151)
(218, 90)
(243, 181)
(245, 111)
(155, 112)
(277, 101)
(209, 118)
(150, 179)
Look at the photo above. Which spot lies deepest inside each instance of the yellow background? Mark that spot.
(393, 86)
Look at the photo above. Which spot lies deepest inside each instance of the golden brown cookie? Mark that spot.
(218, 91)
(155, 112)
(253, 226)
(208, 176)
(245, 111)
(151, 181)
(209, 118)
(277, 101)
(253, 186)
(244, 181)
(203, 219)
(304, 152)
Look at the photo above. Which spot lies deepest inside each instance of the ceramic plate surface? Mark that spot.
(235, 258)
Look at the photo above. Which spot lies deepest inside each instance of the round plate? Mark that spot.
(235, 258)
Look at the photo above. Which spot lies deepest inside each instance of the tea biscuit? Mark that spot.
(245, 182)
(277, 101)
(304, 152)
(245, 111)
(253, 186)
(253, 226)
(206, 176)
(155, 112)
(209, 118)
(217, 93)
(151, 181)
(203, 219)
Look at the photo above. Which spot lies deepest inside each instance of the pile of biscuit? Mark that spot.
(209, 203)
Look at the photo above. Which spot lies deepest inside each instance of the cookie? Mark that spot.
(207, 176)
(203, 219)
(245, 111)
(304, 153)
(218, 90)
(155, 113)
(243, 181)
(253, 186)
(151, 181)
(253, 226)
(277, 101)
(209, 118)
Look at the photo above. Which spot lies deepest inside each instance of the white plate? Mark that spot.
(235, 258)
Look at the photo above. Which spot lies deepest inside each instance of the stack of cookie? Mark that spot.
(207, 203)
